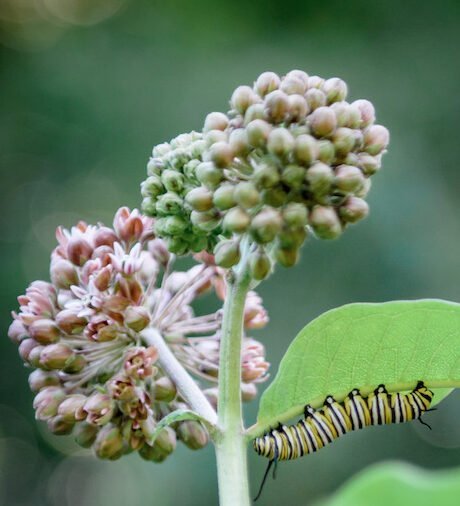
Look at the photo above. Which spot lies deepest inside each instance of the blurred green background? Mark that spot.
(89, 86)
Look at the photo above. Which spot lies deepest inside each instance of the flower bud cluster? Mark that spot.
(291, 155)
(93, 376)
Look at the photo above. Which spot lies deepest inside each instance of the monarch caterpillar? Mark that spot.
(320, 427)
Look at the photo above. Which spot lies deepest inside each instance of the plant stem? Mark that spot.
(231, 445)
(186, 385)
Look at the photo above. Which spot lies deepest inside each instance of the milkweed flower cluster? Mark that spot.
(93, 375)
(291, 156)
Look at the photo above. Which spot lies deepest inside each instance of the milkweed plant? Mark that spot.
(120, 359)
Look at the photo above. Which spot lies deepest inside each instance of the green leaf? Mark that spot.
(397, 483)
(178, 416)
(361, 346)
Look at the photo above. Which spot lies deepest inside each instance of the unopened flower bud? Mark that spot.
(17, 332)
(39, 379)
(173, 225)
(206, 221)
(236, 220)
(166, 440)
(367, 112)
(265, 225)
(44, 331)
(280, 142)
(368, 164)
(258, 131)
(348, 178)
(298, 107)
(161, 149)
(79, 251)
(200, 199)
(164, 445)
(76, 364)
(99, 408)
(266, 175)
(172, 180)
(293, 176)
(367, 183)
(320, 177)
(335, 89)
(242, 98)
(353, 117)
(326, 151)
(176, 245)
(238, 142)
(376, 139)
(325, 222)
(266, 83)
(155, 166)
(295, 215)
(152, 187)
(323, 121)
(315, 98)
(293, 85)
(287, 257)
(148, 206)
(25, 348)
(298, 74)
(69, 321)
(221, 154)
(223, 198)
(192, 434)
(260, 265)
(63, 273)
(292, 237)
(47, 401)
(103, 278)
(34, 356)
(275, 197)
(168, 204)
(344, 140)
(277, 106)
(215, 121)
(255, 111)
(214, 136)
(109, 442)
(305, 149)
(137, 318)
(164, 390)
(71, 408)
(85, 434)
(60, 427)
(354, 209)
(246, 195)
(208, 174)
(315, 82)
(56, 356)
(227, 253)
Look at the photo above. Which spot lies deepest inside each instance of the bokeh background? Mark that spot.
(87, 88)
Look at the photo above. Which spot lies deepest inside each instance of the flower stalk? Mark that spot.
(188, 388)
(231, 446)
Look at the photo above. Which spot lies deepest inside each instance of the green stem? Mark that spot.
(186, 385)
(231, 445)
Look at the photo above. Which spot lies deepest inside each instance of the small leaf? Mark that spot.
(398, 483)
(178, 416)
(361, 346)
